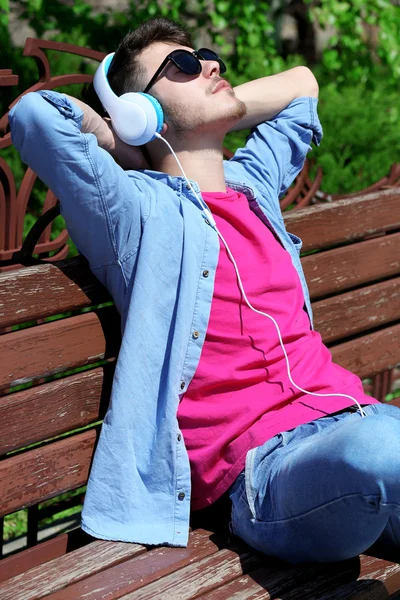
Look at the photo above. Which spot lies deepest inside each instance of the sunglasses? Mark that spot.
(187, 62)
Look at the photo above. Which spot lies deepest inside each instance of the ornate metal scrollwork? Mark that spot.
(13, 202)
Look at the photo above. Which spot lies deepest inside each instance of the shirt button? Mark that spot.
(182, 385)
(206, 273)
(181, 496)
(195, 334)
(187, 186)
(206, 221)
(179, 437)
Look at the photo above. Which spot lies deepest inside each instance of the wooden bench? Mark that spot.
(49, 428)
(354, 280)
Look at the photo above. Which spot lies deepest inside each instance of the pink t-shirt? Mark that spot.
(240, 395)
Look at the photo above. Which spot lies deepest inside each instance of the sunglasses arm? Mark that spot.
(156, 74)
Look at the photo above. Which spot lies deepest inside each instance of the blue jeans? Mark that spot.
(324, 491)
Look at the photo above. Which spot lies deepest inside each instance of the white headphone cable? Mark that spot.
(212, 220)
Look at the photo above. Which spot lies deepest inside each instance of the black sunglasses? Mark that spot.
(187, 62)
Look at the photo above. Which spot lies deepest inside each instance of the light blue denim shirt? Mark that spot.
(147, 239)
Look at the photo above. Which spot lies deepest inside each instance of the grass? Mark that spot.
(16, 524)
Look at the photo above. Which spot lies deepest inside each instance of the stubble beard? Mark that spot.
(184, 122)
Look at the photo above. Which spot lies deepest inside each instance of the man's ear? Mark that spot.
(164, 129)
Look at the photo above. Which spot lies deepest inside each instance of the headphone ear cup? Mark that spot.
(129, 121)
(137, 119)
(158, 108)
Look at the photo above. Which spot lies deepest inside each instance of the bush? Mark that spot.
(358, 83)
(361, 136)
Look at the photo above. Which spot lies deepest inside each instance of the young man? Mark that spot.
(201, 403)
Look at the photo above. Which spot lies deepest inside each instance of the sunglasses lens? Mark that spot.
(207, 54)
(186, 62)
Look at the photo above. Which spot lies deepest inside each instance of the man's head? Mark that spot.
(192, 103)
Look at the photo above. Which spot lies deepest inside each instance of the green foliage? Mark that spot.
(361, 135)
(16, 524)
(246, 32)
(358, 77)
(4, 12)
(366, 36)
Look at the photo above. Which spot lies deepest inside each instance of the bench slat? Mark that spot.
(45, 472)
(141, 570)
(59, 406)
(334, 581)
(45, 290)
(349, 266)
(354, 312)
(61, 571)
(370, 354)
(57, 346)
(201, 576)
(284, 582)
(376, 580)
(349, 219)
(13, 565)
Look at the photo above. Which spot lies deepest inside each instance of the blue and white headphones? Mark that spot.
(135, 117)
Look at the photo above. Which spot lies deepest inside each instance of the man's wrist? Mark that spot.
(267, 96)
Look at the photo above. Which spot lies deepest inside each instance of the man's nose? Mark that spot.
(210, 68)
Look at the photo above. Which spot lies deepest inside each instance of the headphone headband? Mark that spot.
(102, 85)
(135, 117)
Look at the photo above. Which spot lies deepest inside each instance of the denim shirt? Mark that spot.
(147, 239)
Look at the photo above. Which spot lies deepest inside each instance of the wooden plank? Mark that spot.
(363, 577)
(358, 311)
(346, 220)
(201, 576)
(42, 553)
(378, 579)
(370, 354)
(353, 265)
(54, 347)
(141, 570)
(60, 572)
(58, 406)
(45, 472)
(285, 581)
(48, 289)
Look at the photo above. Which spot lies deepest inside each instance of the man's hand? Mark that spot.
(266, 97)
(128, 157)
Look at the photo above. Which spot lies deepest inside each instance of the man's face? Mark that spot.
(192, 103)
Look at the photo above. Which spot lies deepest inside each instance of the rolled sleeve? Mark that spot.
(276, 150)
(98, 199)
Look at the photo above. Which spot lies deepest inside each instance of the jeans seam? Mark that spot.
(317, 508)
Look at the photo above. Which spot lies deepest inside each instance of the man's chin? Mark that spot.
(235, 113)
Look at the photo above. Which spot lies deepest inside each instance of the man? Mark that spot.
(201, 403)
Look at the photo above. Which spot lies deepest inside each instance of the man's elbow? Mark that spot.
(24, 117)
(307, 82)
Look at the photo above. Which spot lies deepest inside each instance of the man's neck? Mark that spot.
(201, 164)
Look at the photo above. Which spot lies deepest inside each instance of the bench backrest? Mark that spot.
(354, 280)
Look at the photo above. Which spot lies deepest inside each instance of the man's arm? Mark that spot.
(64, 142)
(128, 157)
(267, 96)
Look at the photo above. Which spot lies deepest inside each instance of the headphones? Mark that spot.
(135, 117)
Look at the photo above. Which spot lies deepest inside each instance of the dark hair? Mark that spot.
(126, 74)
